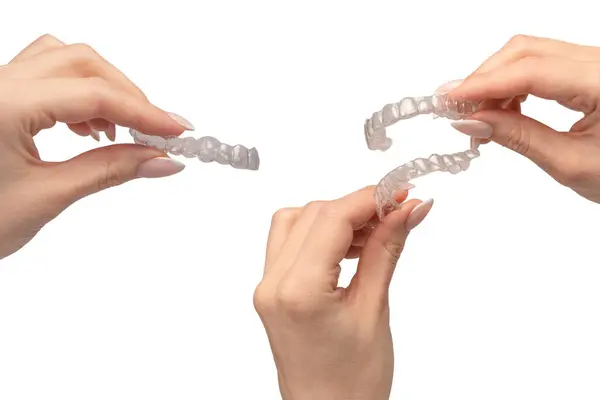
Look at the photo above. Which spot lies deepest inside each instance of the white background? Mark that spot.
(145, 291)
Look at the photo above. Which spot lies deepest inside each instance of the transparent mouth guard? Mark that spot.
(398, 180)
(207, 149)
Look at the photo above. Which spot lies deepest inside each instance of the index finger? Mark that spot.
(79, 100)
(551, 78)
(332, 232)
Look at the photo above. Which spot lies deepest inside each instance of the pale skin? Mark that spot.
(553, 70)
(335, 343)
(51, 82)
(328, 342)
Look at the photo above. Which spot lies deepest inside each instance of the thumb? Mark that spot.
(106, 167)
(382, 250)
(522, 134)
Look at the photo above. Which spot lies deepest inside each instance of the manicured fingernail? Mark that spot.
(159, 167)
(418, 214)
(448, 86)
(478, 129)
(182, 121)
(111, 132)
(95, 134)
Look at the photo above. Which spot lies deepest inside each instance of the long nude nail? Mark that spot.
(159, 167)
(182, 121)
(448, 86)
(111, 132)
(418, 214)
(478, 129)
(95, 134)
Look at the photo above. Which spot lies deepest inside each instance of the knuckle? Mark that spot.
(84, 57)
(47, 39)
(325, 209)
(83, 49)
(293, 302)
(518, 139)
(518, 47)
(283, 216)
(314, 206)
(519, 41)
(110, 175)
(329, 212)
(263, 299)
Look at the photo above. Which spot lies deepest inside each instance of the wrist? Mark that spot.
(336, 393)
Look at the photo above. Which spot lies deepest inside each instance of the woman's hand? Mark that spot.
(330, 342)
(50, 82)
(549, 69)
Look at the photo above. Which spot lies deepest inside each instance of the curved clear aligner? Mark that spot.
(398, 179)
(206, 149)
(440, 105)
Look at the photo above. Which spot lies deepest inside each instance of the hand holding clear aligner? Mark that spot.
(206, 149)
(440, 105)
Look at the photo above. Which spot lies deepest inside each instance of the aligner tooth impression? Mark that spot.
(440, 105)
(207, 149)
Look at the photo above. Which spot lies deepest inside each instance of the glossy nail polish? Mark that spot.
(418, 214)
(95, 134)
(159, 167)
(182, 121)
(473, 128)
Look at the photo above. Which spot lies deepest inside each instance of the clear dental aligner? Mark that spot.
(399, 179)
(440, 105)
(206, 149)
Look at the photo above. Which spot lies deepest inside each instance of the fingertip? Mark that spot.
(152, 120)
(464, 91)
(182, 121)
(449, 86)
(165, 124)
(473, 87)
(111, 132)
(418, 214)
